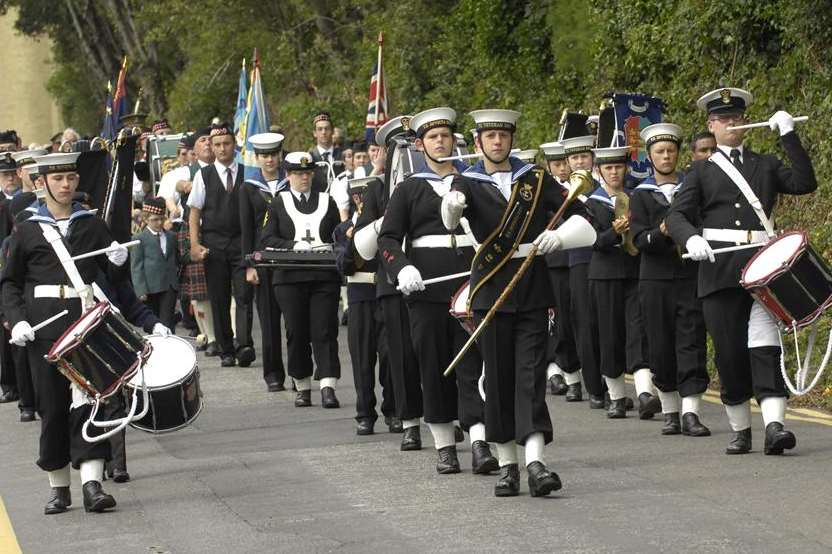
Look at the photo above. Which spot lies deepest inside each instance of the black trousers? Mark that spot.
(163, 304)
(310, 310)
(8, 374)
(675, 335)
(60, 429)
(268, 312)
(437, 337)
(621, 338)
(23, 373)
(513, 346)
(367, 340)
(743, 372)
(562, 348)
(224, 275)
(404, 367)
(188, 319)
(585, 328)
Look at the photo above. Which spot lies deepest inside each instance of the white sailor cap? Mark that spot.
(553, 151)
(725, 100)
(659, 132)
(474, 132)
(432, 118)
(62, 162)
(612, 155)
(495, 119)
(357, 185)
(25, 157)
(526, 155)
(266, 143)
(32, 169)
(298, 161)
(397, 126)
(577, 145)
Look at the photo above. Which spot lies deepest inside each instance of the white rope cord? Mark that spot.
(799, 388)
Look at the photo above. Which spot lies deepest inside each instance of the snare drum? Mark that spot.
(459, 308)
(789, 280)
(99, 352)
(171, 376)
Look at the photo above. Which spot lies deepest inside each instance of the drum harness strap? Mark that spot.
(799, 387)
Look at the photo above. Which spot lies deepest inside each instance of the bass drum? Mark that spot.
(171, 376)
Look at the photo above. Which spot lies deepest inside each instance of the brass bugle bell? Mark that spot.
(622, 209)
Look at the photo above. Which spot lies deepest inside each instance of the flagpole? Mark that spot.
(380, 76)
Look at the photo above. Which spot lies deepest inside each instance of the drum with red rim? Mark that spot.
(459, 308)
(790, 280)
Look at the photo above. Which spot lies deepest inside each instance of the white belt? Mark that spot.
(441, 241)
(524, 250)
(362, 277)
(65, 291)
(738, 236)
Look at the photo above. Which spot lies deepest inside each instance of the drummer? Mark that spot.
(746, 340)
(34, 287)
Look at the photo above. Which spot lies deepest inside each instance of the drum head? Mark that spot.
(77, 330)
(773, 258)
(459, 302)
(172, 360)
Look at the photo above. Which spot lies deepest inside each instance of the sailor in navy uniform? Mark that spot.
(667, 288)
(302, 220)
(413, 223)
(746, 341)
(563, 372)
(404, 368)
(258, 192)
(34, 288)
(498, 196)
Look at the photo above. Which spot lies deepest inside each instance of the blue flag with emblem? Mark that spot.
(634, 112)
(240, 113)
(256, 119)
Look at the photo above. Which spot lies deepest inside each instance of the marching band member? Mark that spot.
(257, 194)
(746, 341)
(404, 369)
(324, 152)
(507, 202)
(413, 215)
(302, 220)
(564, 364)
(667, 287)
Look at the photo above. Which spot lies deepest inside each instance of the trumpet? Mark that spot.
(622, 209)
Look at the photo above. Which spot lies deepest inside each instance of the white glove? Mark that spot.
(302, 246)
(699, 249)
(453, 204)
(548, 241)
(22, 333)
(782, 121)
(410, 280)
(118, 256)
(160, 329)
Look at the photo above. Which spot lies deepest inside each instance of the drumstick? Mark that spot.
(686, 256)
(46, 322)
(433, 280)
(105, 250)
(798, 119)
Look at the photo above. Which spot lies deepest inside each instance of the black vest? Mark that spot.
(221, 212)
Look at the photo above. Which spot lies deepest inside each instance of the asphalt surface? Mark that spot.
(256, 474)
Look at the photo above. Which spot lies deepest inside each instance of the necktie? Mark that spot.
(735, 158)
(159, 237)
(304, 202)
(229, 181)
(325, 156)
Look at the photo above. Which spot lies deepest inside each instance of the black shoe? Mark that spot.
(27, 415)
(411, 439)
(541, 480)
(120, 475)
(365, 426)
(275, 386)
(303, 399)
(574, 392)
(95, 499)
(59, 501)
(509, 482)
(328, 399)
(482, 461)
(212, 349)
(740, 442)
(778, 439)
(648, 405)
(193, 333)
(448, 462)
(228, 360)
(394, 424)
(459, 436)
(245, 356)
(201, 348)
(671, 424)
(557, 385)
(617, 409)
(629, 405)
(597, 402)
(9, 396)
(692, 427)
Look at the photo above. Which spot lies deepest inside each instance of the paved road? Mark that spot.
(255, 474)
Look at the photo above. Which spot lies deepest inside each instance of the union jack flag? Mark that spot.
(377, 106)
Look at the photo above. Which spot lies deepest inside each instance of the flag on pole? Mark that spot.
(634, 112)
(120, 97)
(377, 106)
(242, 101)
(108, 131)
(256, 119)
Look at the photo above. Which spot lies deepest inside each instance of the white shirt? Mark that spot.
(503, 181)
(138, 189)
(163, 240)
(167, 187)
(197, 197)
(727, 151)
(322, 150)
(273, 186)
(297, 194)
